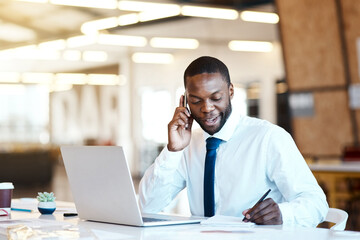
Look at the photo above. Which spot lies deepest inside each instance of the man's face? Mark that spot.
(209, 100)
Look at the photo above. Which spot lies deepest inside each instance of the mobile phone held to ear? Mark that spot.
(185, 102)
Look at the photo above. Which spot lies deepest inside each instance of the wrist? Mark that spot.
(172, 149)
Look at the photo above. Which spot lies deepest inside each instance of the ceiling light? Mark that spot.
(72, 55)
(12, 89)
(37, 78)
(94, 56)
(138, 6)
(9, 77)
(103, 79)
(122, 40)
(157, 58)
(92, 27)
(32, 52)
(160, 12)
(181, 43)
(262, 17)
(128, 19)
(59, 44)
(71, 78)
(14, 33)
(60, 87)
(24, 52)
(250, 46)
(220, 13)
(7, 54)
(80, 41)
(34, 1)
(107, 4)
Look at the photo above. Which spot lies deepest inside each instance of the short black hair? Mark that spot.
(207, 64)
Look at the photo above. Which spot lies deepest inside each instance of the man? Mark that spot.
(252, 157)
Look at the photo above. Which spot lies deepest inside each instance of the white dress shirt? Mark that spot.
(255, 156)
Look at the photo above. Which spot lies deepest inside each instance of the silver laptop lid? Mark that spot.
(101, 184)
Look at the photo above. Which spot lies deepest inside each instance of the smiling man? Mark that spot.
(230, 162)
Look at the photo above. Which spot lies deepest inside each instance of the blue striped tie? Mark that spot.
(209, 176)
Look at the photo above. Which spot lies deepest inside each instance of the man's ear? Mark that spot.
(231, 90)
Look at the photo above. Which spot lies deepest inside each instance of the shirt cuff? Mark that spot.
(287, 214)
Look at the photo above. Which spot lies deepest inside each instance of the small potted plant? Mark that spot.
(47, 203)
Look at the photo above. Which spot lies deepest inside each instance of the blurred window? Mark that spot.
(24, 115)
(156, 113)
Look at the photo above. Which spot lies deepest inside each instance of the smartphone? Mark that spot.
(185, 100)
(185, 103)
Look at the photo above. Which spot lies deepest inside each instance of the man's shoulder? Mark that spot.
(247, 121)
(257, 125)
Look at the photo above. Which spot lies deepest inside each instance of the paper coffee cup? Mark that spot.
(6, 189)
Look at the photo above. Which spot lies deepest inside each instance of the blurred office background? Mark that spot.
(110, 72)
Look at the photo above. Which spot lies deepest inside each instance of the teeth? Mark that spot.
(210, 120)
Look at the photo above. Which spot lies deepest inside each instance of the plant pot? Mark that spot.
(46, 207)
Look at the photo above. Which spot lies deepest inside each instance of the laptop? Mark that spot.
(103, 190)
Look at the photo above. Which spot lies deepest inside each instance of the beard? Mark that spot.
(223, 118)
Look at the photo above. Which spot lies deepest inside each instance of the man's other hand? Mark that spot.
(266, 212)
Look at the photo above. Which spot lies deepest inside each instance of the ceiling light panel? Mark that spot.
(106, 4)
(71, 55)
(261, 17)
(250, 46)
(103, 79)
(138, 6)
(122, 40)
(94, 56)
(159, 13)
(44, 78)
(59, 44)
(80, 41)
(9, 77)
(128, 19)
(34, 1)
(207, 12)
(33, 52)
(92, 27)
(155, 58)
(178, 43)
(71, 78)
(15, 33)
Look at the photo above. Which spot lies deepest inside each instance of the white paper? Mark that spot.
(220, 220)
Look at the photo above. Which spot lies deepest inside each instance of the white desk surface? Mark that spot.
(81, 229)
(336, 167)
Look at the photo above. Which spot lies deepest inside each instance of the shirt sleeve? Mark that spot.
(161, 182)
(304, 201)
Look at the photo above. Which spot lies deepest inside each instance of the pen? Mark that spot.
(21, 209)
(260, 200)
(70, 214)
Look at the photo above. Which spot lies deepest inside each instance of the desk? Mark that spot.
(331, 175)
(95, 230)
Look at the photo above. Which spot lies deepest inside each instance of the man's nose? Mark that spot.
(207, 106)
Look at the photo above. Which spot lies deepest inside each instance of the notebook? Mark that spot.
(103, 190)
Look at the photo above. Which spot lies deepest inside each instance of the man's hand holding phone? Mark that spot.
(179, 128)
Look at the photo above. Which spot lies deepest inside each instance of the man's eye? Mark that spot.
(197, 102)
(216, 99)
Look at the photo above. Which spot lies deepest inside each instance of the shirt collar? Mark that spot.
(228, 129)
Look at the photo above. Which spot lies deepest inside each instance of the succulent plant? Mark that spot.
(46, 197)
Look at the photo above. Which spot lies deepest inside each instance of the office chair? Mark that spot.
(337, 216)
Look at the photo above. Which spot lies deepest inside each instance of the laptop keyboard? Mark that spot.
(148, 219)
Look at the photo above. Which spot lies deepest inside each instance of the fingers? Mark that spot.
(182, 99)
(182, 118)
(264, 213)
